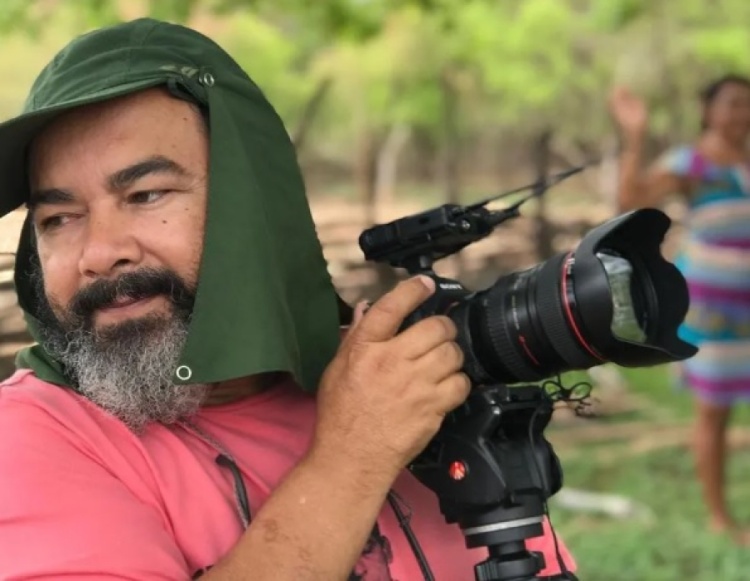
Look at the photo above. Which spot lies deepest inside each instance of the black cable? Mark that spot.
(403, 521)
(540, 473)
(239, 487)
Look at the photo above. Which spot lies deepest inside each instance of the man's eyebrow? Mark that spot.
(49, 196)
(156, 164)
(118, 181)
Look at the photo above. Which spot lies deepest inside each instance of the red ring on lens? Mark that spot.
(568, 311)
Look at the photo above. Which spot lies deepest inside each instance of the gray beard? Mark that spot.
(127, 369)
(130, 375)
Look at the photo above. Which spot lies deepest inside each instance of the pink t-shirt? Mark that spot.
(81, 496)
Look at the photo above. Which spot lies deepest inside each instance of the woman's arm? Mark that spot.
(638, 188)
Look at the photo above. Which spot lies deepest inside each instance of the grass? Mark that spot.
(674, 545)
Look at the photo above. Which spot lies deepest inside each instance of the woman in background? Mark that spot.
(713, 176)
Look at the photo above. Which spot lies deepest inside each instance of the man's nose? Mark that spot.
(110, 246)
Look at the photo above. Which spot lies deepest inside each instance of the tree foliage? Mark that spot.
(511, 65)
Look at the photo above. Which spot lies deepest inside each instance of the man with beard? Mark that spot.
(164, 426)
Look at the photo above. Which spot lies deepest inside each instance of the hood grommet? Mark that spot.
(206, 79)
(183, 373)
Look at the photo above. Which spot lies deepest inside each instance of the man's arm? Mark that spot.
(313, 526)
(381, 400)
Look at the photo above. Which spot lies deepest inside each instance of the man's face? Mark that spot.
(117, 188)
(118, 200)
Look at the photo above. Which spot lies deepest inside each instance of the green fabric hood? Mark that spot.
(265, 300)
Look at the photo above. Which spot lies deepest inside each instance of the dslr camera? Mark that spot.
(613, 298)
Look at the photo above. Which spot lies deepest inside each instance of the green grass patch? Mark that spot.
(673, 545)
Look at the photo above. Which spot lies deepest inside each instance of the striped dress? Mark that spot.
(715, 260)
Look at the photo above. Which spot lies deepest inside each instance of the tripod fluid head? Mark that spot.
(493, 470)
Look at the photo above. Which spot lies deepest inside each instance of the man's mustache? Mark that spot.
(137, 285)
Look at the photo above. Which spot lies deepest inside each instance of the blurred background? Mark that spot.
(398, 106)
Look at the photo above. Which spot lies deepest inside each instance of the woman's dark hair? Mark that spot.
(710, 91)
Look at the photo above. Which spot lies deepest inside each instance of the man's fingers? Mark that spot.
(441, 362)
(424, 336)
(383, 319)
(453, 391)
(359, 311)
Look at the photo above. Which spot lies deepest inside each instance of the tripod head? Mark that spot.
(493, 470)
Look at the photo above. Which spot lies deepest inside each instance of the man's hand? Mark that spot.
(384, 395)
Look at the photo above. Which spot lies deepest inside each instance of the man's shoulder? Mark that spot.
(30, 406)
(25, 388)
(17, 377)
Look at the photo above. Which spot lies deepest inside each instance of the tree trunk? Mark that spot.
(451, 155)
(366, 169)
(365, 172)
(544, 234)
(386, 167)
(309, 113)
(451, 144)
(670, 88)
(608, 174)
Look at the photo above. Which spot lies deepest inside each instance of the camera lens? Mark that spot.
(613, 299)
(526, 325)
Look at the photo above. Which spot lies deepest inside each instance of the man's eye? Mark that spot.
(53, 222)
(147, 197)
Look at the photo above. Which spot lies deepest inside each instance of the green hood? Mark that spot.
(265, 300)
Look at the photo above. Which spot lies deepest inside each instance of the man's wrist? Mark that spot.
(368, 476)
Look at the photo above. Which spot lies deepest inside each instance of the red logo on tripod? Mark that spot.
(457, 470)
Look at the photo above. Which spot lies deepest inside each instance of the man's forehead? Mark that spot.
(143, 104)
(147, 116)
